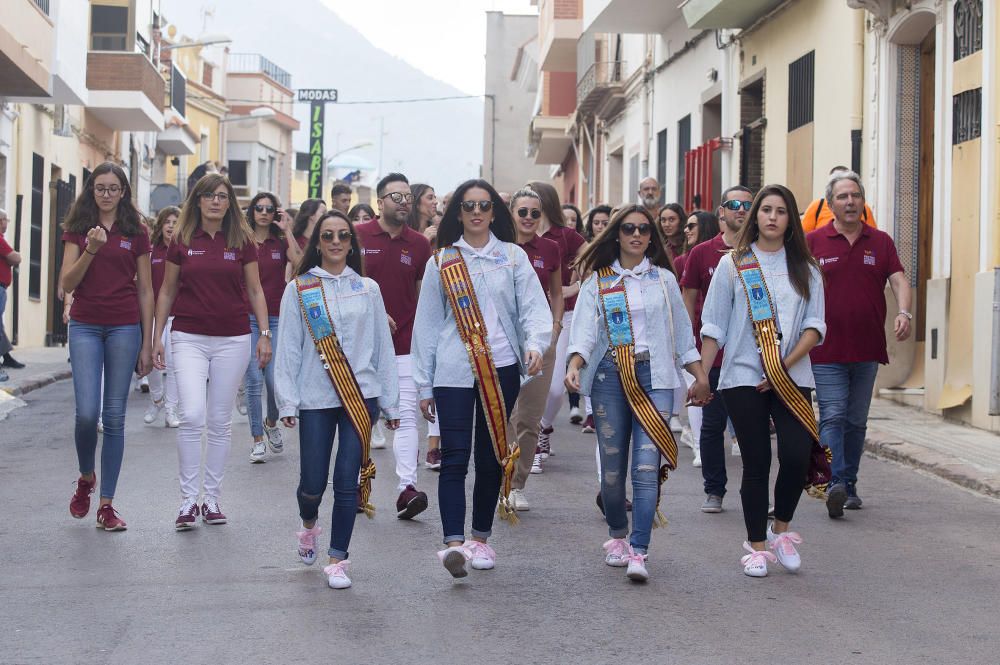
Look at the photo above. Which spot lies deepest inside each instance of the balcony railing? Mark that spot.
(599, 77)
(43, 5)
(254, 63)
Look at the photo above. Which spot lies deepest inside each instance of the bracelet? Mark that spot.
(90, 252)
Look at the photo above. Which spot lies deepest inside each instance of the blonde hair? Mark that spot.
(234, 224)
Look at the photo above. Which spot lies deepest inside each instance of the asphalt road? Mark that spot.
(912, 578)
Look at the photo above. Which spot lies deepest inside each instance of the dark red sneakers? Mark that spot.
(411, 502)
(433, 459)
(109, 519)
(79, 505)
(211, 513)
(187, 515)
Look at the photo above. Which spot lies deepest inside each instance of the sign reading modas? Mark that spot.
(317, 95)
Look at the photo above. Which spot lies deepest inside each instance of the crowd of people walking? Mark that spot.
(481, 315)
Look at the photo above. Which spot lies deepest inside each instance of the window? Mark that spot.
(633, 176)
(238, 172)
(661, 162)
(262, 174)
(35, 241)
(206, 75)
(801, 81)
(108, 28)
(967, 113)
(968, 27)
(178, 90)
(270, 172)
(683, 145)
(204, 146)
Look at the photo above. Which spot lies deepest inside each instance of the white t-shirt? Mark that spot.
(503, 352)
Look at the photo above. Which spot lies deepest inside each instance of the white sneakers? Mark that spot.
(480, 554)
(783, 546)
(152, 412)
(273, 436)
(307, 544)
(755, 561)
(619, 554)
(536, 463)
(258, 452)
(637, 567)
(170, 418)
(336, 575)
(519, 500)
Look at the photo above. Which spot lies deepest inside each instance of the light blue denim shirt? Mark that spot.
(726, 319)
(362, 326)
(668, 330)
(501, 271)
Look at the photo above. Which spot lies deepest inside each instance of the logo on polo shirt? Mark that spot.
(229, 255)
(371, 251)
(869, 257)
(405, 258)
(157, 260)
(276, 255)
(538, 262)
(125, 243)
(832, 259)
(195, 252)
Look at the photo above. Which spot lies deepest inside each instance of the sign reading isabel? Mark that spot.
(317, 95)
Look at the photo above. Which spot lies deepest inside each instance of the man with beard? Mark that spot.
(395, 256)
(698, 271)
(649, 195)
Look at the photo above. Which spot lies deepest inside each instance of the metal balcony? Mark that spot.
(255, 63)
(603, 81)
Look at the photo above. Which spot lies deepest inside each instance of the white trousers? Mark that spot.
(405, 442)
(208, 370)
(163, 385)
(557, 389)
(694, 414)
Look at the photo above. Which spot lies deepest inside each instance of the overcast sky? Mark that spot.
(428, 34)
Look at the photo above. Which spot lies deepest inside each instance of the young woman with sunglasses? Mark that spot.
(552, 226)
(671, 219)
(771, 269)
(272, 229)
(305, 221)
(106, 267)
(627, 364)
(546, 261)
(330, 284)
(211, 285)
(496, 327)
(162, 384)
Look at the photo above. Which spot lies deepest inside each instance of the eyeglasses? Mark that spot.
(736, 205)
(113, 190)
(214, 196)
(263, 208)
(342, 235)
(629, 229)
(691, 227)
(399, 197)
(534, 213)
(470, 206)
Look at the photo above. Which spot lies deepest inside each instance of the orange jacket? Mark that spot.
(819, 214)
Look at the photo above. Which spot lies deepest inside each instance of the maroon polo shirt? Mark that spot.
(158, 265)
(569, 242)
(396, 265)
(679, 265)
(302, 240)
(699, 266)
(107, 295)
(210, 298)
(674, 251)
(545, 258)
(855, 277)
(272, 257)
(6, 274)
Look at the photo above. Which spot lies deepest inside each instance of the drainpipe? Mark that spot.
(858, 68)
(647, 77)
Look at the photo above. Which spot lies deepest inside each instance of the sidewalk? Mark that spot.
(44, 366)
(963, 455)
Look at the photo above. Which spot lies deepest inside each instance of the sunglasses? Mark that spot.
(399, 197)
(690, 227)
(534, 213)
(736, 205)
(342, 235)
(629, 229)
(263, 208)
(470, 206)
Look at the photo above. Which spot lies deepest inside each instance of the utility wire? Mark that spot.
(363, 101)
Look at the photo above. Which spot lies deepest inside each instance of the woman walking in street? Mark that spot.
(162, 384)
(272, 232)
(106, 267)
(335, 369)
(627, 364)
(765, 307)
(211, 284)
(305, 221)
(496, 328)
(671, 220)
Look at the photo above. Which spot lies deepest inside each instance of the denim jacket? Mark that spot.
(501, 271)
(362, 326)
(668, 346)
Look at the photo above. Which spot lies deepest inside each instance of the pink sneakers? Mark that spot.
(307, 544)
(336, 575)
(482, 555)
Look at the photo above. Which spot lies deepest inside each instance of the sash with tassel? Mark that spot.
(765, 328)
(312, 301)
(618, 319)
(472, 330)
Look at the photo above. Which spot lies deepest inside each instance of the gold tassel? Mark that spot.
(660, 520)
(369, 510)
(507, 512)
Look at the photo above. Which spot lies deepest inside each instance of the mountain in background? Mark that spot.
(439, 142)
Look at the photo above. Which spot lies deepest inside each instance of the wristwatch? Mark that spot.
(265, 333)
(906, 314)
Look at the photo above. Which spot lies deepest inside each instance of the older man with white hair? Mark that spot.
(857, 261)
(8, 259)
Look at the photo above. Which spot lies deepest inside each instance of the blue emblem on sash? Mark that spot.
(760, 304)
(311, 292)
(464, 302)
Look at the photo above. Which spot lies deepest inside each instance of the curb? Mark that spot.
(950, 468)
(37, 382)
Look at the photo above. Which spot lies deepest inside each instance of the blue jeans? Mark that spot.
(714, 418)
(616, 428)
(844, 393)
(461, 417)
(317, 429)
(113, 350)
(5, 346)
(256, 376)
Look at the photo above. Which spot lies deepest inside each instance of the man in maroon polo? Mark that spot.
(857, 261)
(395, 256)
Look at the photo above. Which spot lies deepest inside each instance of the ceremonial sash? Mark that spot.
(458, 288)
(765, 327)
(618, 320)
(312, 302)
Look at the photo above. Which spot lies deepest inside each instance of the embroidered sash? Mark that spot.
(765, 328)
(472, 329)
(312, 302)
(618, 320)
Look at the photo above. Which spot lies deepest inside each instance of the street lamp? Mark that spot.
(363, 144)
(207, 40)
(259, 113)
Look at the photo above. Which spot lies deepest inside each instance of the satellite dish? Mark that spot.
(163, 196)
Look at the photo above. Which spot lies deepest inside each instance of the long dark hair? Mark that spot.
(84, 215)
(588, 228)
(311, 256)
(550, 202)
(678, 210)
(605, 248)
(450, 228)
(161, 218)
(252, 218)
(708, 228)
(307, 209)
(418, 189)
(234, 225)
(797, 253)
(578, 227)
(359, 208)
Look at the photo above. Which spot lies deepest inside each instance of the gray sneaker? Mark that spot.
(853, 500)
(274, 441)
(713, 504)
(836, 498)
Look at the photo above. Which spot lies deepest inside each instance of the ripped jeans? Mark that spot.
(616, 427)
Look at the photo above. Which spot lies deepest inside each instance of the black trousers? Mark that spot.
(750, 410)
